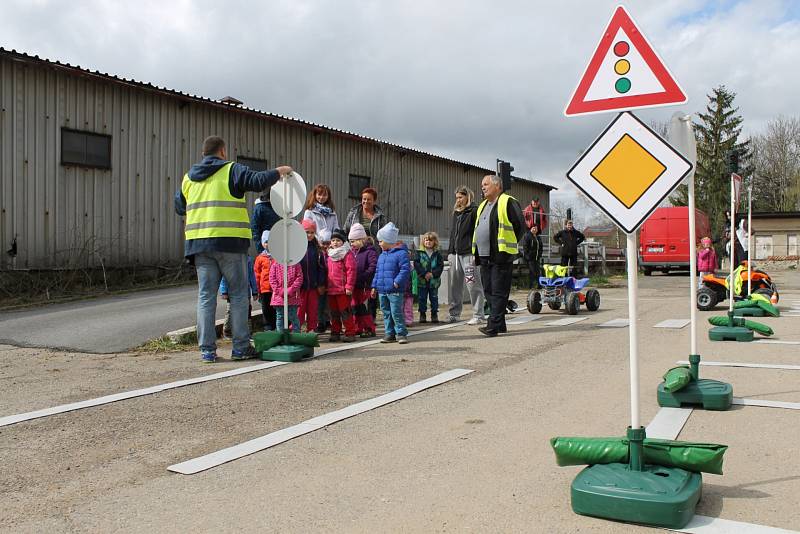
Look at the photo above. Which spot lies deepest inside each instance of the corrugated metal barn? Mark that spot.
(89, 164)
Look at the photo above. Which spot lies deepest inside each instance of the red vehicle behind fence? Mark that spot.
(664, 239)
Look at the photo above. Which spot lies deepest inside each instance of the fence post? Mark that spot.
(603, 265)
(585, 258)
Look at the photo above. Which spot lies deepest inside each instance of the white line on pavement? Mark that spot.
(11, 419)
(523, 320)
(776, 342)
(754, 365)
(214, 459)
(615, 323)
(566, 321)
(701, 524)
(99, 401)
(767, 403)
(672, 323)
(668, 423)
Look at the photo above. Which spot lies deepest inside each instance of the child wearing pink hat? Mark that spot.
(366, 259)
(315, 278)
(706, 259)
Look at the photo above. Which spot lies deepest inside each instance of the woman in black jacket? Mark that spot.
(461, 259)
(532, 254)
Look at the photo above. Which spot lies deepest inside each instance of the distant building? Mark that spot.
(89, 164)
(775, 235)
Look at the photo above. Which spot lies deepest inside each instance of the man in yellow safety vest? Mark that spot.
(217, 228)
(499, 227)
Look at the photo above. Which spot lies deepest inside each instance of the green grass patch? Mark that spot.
(165, 344)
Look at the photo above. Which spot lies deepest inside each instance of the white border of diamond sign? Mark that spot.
(629, 218)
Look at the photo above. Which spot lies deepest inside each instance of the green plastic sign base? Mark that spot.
(749, 312)
(710, 394)
(287, 353)
(656, 496)
(730, 333)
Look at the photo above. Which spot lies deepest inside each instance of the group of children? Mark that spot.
(338, 276)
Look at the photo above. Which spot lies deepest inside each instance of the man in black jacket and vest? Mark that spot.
(499, 227)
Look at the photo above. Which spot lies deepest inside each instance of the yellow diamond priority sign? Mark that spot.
(628, 171)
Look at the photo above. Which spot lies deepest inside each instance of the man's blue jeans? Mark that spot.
(394, 321)
(211, 267)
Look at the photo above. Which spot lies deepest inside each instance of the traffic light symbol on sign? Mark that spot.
(623, 73)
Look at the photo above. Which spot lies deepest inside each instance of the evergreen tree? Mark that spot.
(717, 135)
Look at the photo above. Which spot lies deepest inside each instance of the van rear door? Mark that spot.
(655, 234)
(677, 249)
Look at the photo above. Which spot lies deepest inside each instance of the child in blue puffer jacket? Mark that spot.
(392, 276)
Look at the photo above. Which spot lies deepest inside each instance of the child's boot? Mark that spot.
(434, 317)
(422, 318)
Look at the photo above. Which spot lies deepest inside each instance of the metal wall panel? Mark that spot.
(71, 217)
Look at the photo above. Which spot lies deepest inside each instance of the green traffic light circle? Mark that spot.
(623, 85)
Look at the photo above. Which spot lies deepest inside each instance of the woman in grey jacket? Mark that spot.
(462, 260)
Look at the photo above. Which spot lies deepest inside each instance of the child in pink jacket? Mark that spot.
(341, 283)
(295, 283)
(706, 259)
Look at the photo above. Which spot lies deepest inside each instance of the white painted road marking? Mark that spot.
(11, 419)
(99, 401)
(767, 403)
(776, 342)
(615, 323)
(523, 320)
(701, 524)
(672, 323)
(754, 365)
(668, 423)
(214, 459)
(566, 321)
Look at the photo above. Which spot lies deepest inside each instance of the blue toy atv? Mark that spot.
(558, 287)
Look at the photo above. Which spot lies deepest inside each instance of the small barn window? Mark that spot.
(86, 149)
(435, 198)
(356, 185)
(254, 164)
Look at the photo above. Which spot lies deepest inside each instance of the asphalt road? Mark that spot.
(472, 455)
(104, 325)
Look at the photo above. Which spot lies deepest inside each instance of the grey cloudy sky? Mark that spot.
(467, 80)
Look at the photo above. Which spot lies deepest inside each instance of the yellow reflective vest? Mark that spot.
(211, 210)
(506, 238)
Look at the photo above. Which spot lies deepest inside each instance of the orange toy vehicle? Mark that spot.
(715, 288)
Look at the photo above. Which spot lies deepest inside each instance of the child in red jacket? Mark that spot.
(261, 270)
(294, 282)
(341, 282)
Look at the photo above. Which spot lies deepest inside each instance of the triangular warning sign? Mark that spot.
(624, 73)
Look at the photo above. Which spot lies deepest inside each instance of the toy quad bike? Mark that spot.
(558, 287)
(715, 289)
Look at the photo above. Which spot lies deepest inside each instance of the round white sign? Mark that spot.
(288, 196)
(287, 242)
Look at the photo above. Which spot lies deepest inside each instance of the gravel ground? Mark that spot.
(469, 455)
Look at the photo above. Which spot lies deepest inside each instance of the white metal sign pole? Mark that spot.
(732, 244)
(633, 295)
(692, 267)
(286, 211)
(749, 233)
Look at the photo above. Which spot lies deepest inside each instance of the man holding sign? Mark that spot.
(218, 238)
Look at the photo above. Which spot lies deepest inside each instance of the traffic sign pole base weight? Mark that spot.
(710, 394)
(749, 312)
(656, 495)
(287, 353)
(730, 333)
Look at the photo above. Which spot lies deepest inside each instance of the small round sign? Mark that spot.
(288, 242)
(288, 195)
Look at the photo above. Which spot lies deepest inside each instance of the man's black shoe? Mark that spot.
(502, 329)
(486, 331)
